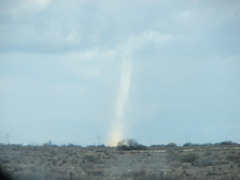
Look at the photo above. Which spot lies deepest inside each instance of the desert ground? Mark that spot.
(200, 162)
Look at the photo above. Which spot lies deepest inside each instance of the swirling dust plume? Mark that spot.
(118, 122)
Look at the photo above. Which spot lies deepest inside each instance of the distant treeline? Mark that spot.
(194, 144)
(132, 144)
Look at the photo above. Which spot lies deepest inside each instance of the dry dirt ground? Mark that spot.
(105, 163)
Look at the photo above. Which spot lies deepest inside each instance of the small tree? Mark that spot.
(130, 144)
(189, 157)
(187, 144)
(171, 145)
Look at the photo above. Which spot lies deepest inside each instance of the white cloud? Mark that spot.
(125, 48)
(27, 37)
(208, 15)
(27, 7)
(68, 49)
(92, 54)
(136, 42)
(89, 63)
(155, 36)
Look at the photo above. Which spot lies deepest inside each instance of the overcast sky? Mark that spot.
(61, 67)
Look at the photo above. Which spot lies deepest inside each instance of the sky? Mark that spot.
(83, 71)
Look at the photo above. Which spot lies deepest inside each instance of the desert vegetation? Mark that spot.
(130, 144)
(129, 160)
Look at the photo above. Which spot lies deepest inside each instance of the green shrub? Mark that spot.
(130, 144)
(172, 156)
(171, 145)
(149, 177)
(95, 173)
(187, 144)
(233, 157)
(204, 162)
(90, 158)
(134, 174)
(190, 158)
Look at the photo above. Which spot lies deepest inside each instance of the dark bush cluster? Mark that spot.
(187, 144)
(171, 145)
(190, 157)
(130, 144)
(227, 143)
(90, 158)
(233, 157)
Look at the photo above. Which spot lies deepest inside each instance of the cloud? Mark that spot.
(208, 15)
(72, 26)
(27, 7)
(89, 55)
(135, 43)
(63, 26)
(93, 58)
(44, 26)
(66, 55)
(28, 38)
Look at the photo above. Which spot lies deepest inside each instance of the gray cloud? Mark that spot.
(60, 61)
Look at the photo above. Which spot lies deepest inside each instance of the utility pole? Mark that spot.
(98, 140)
(7, 139)
(187, 139)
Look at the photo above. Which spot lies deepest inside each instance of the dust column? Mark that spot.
(119, 122)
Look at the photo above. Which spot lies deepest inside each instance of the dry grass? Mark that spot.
(52, 162)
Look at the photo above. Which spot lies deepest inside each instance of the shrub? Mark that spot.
(171, 145)
(134, 174)
(90, 158)
(228, 143)
(190, 157)
(204, 162)
(208, 153)
(172, 156)
(150, 177)
(95, 173)
(233, 157)
(187, 144)
(157, 145)
(130, 144)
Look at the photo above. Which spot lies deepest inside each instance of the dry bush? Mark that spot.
(172, 156)
(204, 162)
(134, 174)
(108, 164)
(95, 173)
(149, 177)
(130, 144)
(233, 157)
(207, 153)
(189, 157)
(90, 158)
